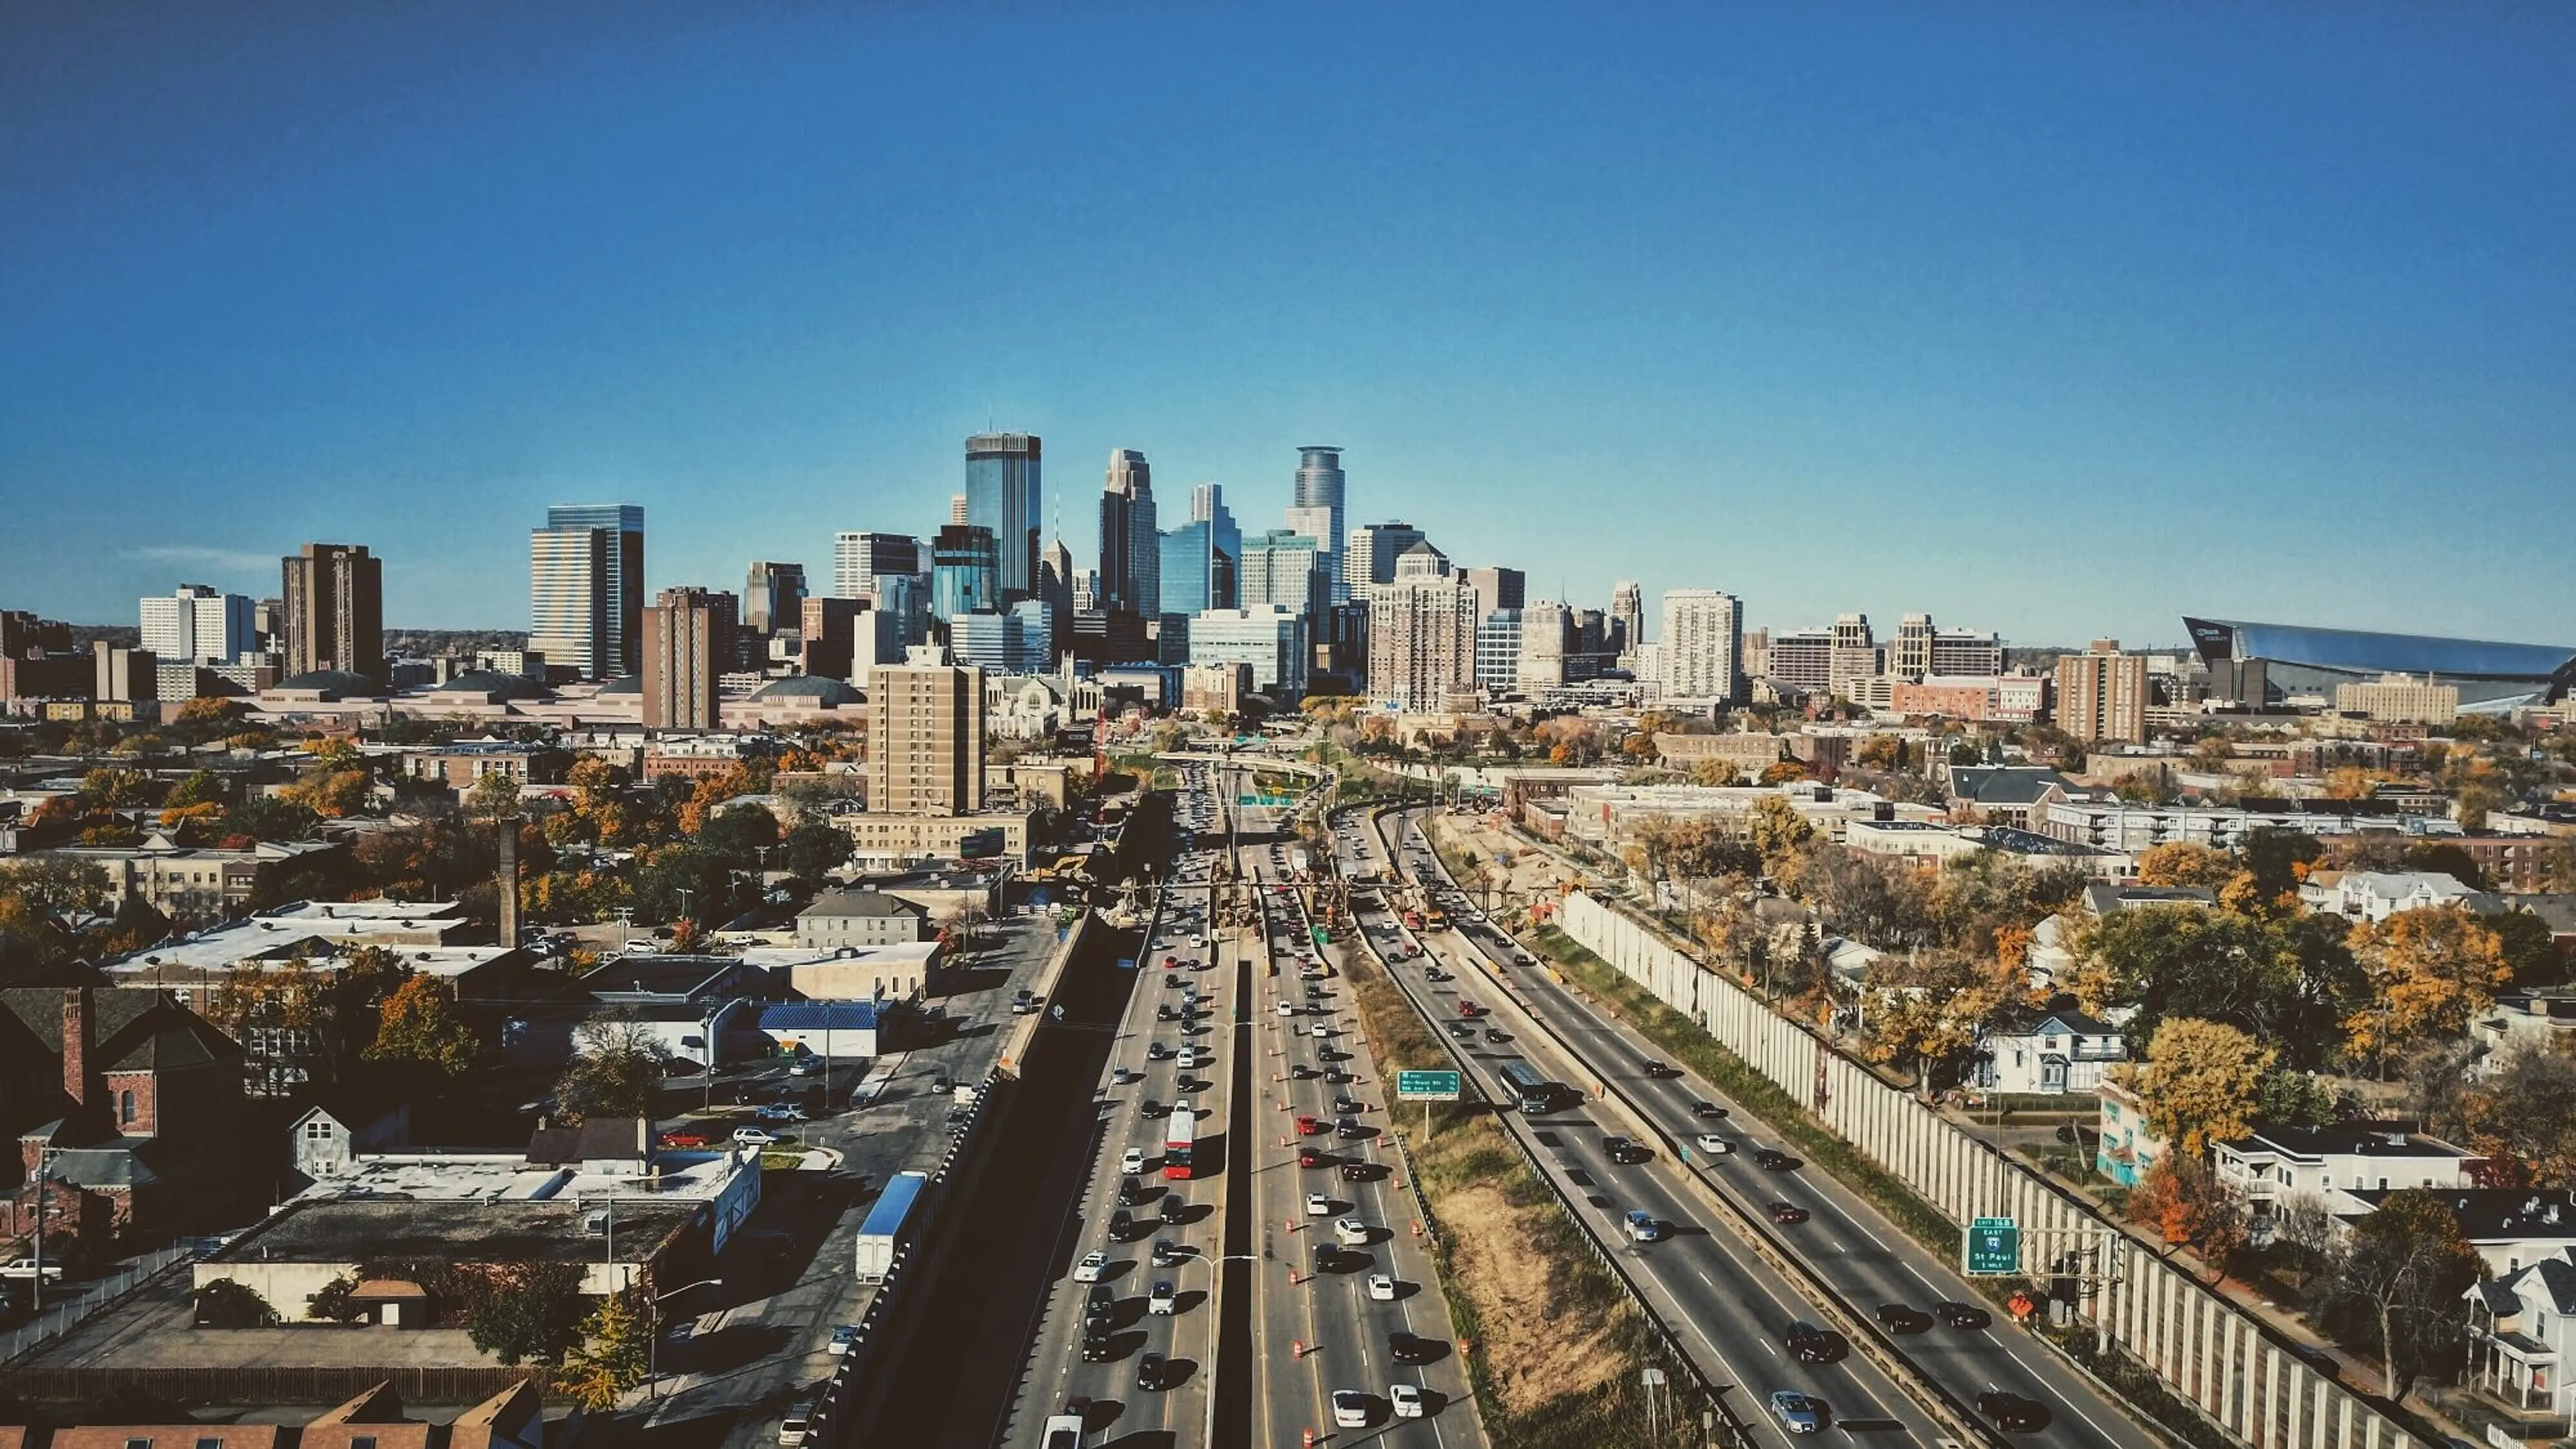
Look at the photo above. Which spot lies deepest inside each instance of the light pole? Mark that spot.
(653, 1332)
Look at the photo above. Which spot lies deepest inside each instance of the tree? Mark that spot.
(495, 796)
(1776, 829)
(270, 817)
(418, 1023)
(815, 849)
(57, 887)
(526, 1311)
(1927, 1010)
(2190, 1205)
(2427, 973)
(614, 1353)
(615, 1073)
(2398, 1278)
(2183, 863)
(2294, 1099)
(2520, 1114)
(225, 1303)
(203, 787)
(2198, 1083)
(335, 1302)
(114, 787)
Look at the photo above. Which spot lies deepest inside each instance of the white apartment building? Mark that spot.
(198, 625)
(1270, 637)
(1702, 648)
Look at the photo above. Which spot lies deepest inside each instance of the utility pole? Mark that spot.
(44, 1166)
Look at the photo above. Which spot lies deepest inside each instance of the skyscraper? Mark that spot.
(2102, 694)
(1497, 588)
(1207, 505)
(1702, 649)
(1855, 655)
(1320, 486)
(773, 597)
(859, 560)
(1628, 610)
(197, 624)
(1421, 632)
(334, 598)
(1911, 658)
(688, 640)
(1547, 635)
(1189, 570)
(1286, 568)
(621, 579)
(569, 600)
(1130, 546)
(1002, 494)
(925, 736)
(965, 571)
(1371, 552)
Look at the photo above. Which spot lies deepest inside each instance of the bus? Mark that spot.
(1523, 1084)
(1180, 1138)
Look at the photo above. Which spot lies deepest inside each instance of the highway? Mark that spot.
(1864, 1258)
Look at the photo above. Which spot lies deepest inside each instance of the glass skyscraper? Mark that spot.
(1319, 485)
(964, 572)
(1002, 495)
(585, 595)
(1130, 547)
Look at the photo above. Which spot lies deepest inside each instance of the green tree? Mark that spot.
(526, 1311)
(418, 1023)
(2295, 1099)
(2396, 1282)
(738, 835)
(1776, 830)
(613, 1356)
(271, 817)
(203, 787)
(495, 796)
(56, 887)
(224, 1303)
(615, 1073)
(335, 1302)
(1926, 1011)
(815, 849)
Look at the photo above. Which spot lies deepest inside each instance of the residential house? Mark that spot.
(2046, 1051)
(326, 1140)
(847, 917)
(2275, 1164)
(2509, 1226)
(2001, 794)
(2128, 1146)
(2375, 895)
(2522, 1329)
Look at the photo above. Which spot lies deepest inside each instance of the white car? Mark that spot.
(754, 1137)
(1093, 1264)
(1350, 1409)
(1712, 1144)
(1318, 1205)
(1406, 1400)
(1287, 1008)
(1350, 1232)
(1381, 1287)
(1162, 1299)
(1132, 1161)
(1323, 1028)
(1063, 1431)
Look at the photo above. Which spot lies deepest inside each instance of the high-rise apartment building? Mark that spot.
(773, 596)
(1003, 495)
(1131, 565)
(569, 600)
(1701, 652)
(1421, 632)
(689, 637)
(925, 736)
(1286, 568)
(965, 571)
(1855, 656)
(2102, 694)
(1497, 588)
(335, 610)
(1966, 652)
(1547, 635)
(1628, 615)
(1317, 508)
(1498, 651)
(859, 560)
(1370, 552)
(199, 625)
(1802, 658)
(619, 582)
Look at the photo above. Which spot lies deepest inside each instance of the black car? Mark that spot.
(1345, 1104)
(1347, 1128)
(1626, 1149)
(1497, 1035)
(1099, 1307)
(1172, 1208)
(2012, 1412)
(1811, 1343)
(1337, 1076)
(1355, 1171)
(1903, 1318)
(1408, 1349)
(1122, 1226)
(1962, 1315)
(1153, 1372)
(1157, 1052)
(1130, 1191)
(1772, 1159)
(1662, 1072)
(1301, 1072)
(1098, 1347)
(1150, 1107)
(1787, 1212)
(1707, 1110)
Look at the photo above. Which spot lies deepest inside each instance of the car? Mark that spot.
(797, 1423)
(1345, 1104)
(1132, 1161)
(1301, 1073)
(1122, 1226)
(1903, 1318)
(1323, 1029)
(1062, 1431)
(1162, 1011)
(755, 1137)
(779, 1112)
(1660, 1071)
(1961, 1315)
(1351, 1231)
(1310, 1157)
(1350, 1409)
(1626, 1149)
(1643, 1228)
(1347, 1128)
(1287, 1008)
(1461, 1031)
(1153, 1372)
(1130, 1191)
(1497, 1035)
(1121, 1076)
(805, 1067)
(1772, 1159)
(844, 1338)
(1097, 1345)
(1099, 1306)
(1171, 980)
(1189, 1059)
(1173, 1207)
(1381, 1287)
(1798, 1413)
(1150, 1107)
(1357, 1171)
(1318, 1205)
(1310, 1126)
(1093, 1264)
(1786, 1212)
(684, 1138)
(1409, 1349)
(1166, 1252)
(1157, 1052)
(1812, 1343)
(1405, 1400)
(1706, 1110)
(1712, 1144)
(1161, 1298)
(1335, 1076)
(2012, 1412)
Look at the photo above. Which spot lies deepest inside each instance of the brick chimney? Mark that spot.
(76, 1044)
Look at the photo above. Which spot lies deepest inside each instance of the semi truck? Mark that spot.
(891, 1223)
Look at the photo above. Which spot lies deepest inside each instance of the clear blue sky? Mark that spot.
(2060, 320)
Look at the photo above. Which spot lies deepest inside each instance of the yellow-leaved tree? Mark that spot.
(2429, 971)
(2185, 863)
(2197, 1083)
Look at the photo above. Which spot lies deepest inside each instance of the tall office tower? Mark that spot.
(1317, 524)
(965, 571)
(688, 641)
(1086, 590)
(1285, 568)
(1055, 589)
(1911, 658)
(1188, 565)
(859, 560)
(335, 610)
(198, 625)
(1803, 658)
(622, 581)
(1320, 485)
(569, 601)
(1967, 653)
(2102, 694)
(1370, 553)
(1497, 588)
(925, 736)
(1855, 655)
(1498, 651)
(1702, 648)
(1757, 652)
(1421, 633)
(1628, 611)
(774, 597)
(1547, 636)
(1207, 505)
(1130, 543)
(834, 638)
(1002, 494)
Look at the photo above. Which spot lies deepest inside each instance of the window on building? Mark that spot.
(125, 1107)
(362, 1441)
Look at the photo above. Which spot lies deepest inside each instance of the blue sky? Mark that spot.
(2060, 320)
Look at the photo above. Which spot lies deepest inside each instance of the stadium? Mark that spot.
(2264, 664)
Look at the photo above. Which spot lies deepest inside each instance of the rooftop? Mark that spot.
(2343, 1139)
(350, 1228)
(2495, 1214)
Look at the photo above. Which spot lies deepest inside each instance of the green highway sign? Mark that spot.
(1427, 1086)
(1994, 1248)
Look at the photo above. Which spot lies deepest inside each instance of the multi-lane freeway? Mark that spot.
(1874, 1269)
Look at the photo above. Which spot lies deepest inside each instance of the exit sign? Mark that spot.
(1994, 1248)
(1427, 1086)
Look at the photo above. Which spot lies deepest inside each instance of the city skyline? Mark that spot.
(1786, 326)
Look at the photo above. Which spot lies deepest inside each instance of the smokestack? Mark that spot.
(76, 1044)
(509, 881)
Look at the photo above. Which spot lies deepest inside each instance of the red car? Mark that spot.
(1468, 1008)
(684, 1139)
(1309, 1127)
(1309, 1157)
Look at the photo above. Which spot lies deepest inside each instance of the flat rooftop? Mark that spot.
(349, 1231)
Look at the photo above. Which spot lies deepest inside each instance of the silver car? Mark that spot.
(1798, 1413)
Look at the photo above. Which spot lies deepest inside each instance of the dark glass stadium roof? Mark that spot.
(2360, 652)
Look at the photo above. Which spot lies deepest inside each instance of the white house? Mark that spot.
(2046, 1051)
(2520, 1334)
(2509, 1226)
(2375, 895)
(329, 1138)
(2275, 1164)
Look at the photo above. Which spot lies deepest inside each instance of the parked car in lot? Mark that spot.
(685, 1137)
(754, 1137)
